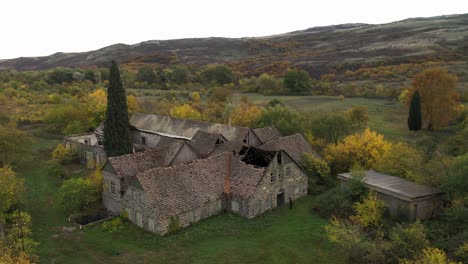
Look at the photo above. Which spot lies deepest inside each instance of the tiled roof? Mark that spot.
(394, 186)
(176, 189)
(295, 145)
(182, 187)
(203, 142)
(128, 166)
(245, 178)
(185, 128)
(266, 134)
(231, 147)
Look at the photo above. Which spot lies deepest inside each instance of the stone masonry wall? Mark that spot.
(111, 201)
(288, 179)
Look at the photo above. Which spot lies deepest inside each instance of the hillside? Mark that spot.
(318, 50)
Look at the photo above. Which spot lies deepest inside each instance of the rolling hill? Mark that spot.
(318, 50)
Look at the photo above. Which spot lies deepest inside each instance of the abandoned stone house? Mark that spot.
(184, 171)
(402, 198)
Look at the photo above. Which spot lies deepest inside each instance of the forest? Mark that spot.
(408, 120)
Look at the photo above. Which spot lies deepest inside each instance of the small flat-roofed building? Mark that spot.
(403, 198)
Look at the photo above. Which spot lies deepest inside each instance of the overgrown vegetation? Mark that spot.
(350, 133)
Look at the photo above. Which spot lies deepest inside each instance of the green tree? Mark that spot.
(331, 126)
(146, 74)
(218, 73)
(267, 85)
(77, 194)
(116, 126)
(297, 81)
(407, 240)
(317, 171)
(359, 116)
(414, 117)
(286, 121)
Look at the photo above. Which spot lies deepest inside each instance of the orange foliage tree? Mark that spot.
(439, 98)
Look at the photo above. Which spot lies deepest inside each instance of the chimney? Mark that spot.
(227, 178)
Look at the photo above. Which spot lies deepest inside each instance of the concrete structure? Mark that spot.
(402, 198)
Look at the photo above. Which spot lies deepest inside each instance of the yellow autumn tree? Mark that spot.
(439, 98)
(369, 212)
(401, 160)
(7, 256)
(97, 105)
(364, 149)
(430, 256)
(245, 114)
(185, 111)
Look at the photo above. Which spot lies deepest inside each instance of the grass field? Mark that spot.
(279, 236)
(388, 117)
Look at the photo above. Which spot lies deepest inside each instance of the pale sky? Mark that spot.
(43, 27)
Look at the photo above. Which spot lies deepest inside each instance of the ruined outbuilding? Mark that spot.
(402, 198)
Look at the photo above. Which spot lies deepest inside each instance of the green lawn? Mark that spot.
(388, 117)
(279, 236)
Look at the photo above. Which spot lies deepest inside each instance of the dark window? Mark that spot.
(280, 176)
(100, 142)
(143, 140)
(86, 142)
(272, 177)
(112, 187)
(279, 157)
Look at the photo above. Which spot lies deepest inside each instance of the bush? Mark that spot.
(113, 225)
(318, 172)
(333, 202)
(62, 154)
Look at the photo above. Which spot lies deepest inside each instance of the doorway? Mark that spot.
(280, 199)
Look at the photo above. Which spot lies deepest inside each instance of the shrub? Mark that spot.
(62, 154)
(113, 225)
(318, 172)
(333, 202)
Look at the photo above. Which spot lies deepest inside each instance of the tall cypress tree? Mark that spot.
(116, 126)
(415, 117)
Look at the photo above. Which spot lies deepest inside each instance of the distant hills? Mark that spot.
(317, 50)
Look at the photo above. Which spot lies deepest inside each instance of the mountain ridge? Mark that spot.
(316, 49)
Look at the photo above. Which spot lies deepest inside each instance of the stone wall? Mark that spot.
(288, 178)
(138, 209)
(111, 200)
(90, 154)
